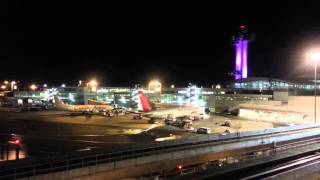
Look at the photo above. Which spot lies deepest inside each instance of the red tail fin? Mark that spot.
(145, 103)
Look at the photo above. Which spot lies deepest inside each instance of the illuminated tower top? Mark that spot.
(241, 60)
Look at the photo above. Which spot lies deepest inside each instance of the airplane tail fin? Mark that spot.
(59, 103)
(145, 104)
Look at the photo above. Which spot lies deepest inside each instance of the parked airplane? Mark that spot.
(106, 109)
(147, 109)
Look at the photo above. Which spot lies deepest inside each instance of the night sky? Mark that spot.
(122, 44)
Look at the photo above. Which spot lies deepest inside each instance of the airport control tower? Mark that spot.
(241, 43)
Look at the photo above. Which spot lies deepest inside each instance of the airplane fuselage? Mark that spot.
(89, 108)
(81, 108)
(176, 112)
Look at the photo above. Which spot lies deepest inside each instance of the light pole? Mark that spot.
(315, 56)
(315, 91)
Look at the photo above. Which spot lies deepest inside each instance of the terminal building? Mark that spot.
(209, 98)
(216, 99)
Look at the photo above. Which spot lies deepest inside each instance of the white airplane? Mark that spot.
(106, 109)
(147, 109)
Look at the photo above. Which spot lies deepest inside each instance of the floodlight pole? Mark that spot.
(315, 91)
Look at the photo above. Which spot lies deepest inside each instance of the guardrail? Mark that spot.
(80, 160)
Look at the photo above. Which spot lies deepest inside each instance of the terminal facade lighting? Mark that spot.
(33, 87)
(12, 85)
(155, 85)
(93, 84)
(241, 60)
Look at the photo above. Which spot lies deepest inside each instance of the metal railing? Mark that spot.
(64, 163)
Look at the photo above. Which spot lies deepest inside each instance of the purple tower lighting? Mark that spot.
(241, 44)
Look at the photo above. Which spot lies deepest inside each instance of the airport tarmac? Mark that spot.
(56, 132)
(49, 133)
